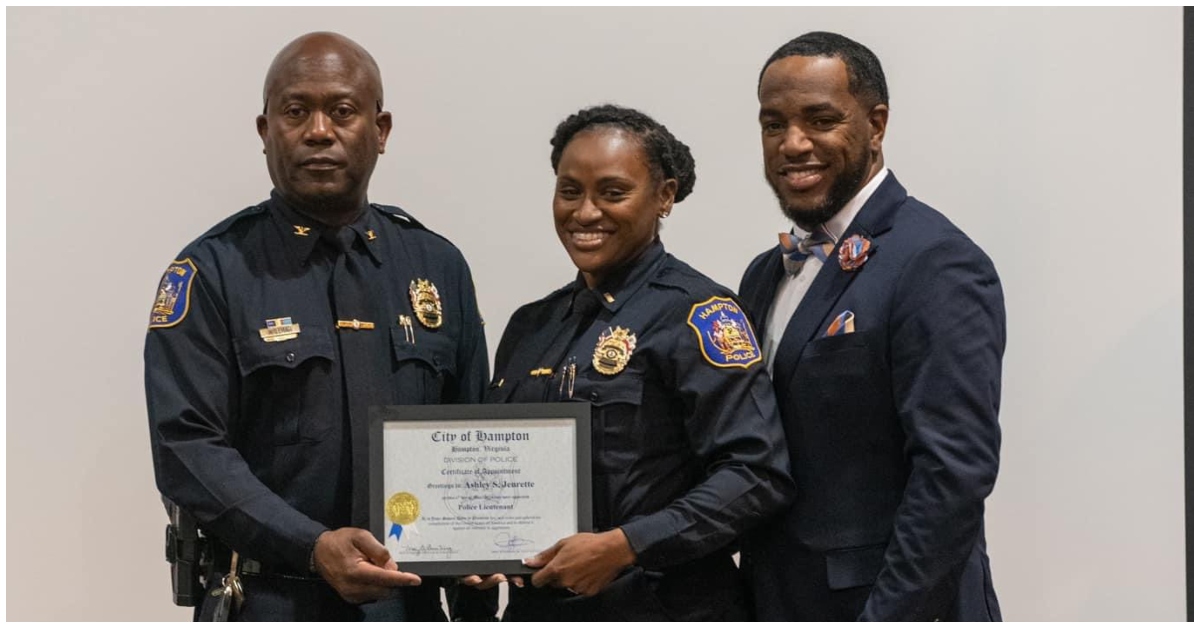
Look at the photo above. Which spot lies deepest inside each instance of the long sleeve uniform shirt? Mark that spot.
(687, 446)
(251, 430)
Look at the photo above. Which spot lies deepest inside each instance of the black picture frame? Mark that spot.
(471, 416)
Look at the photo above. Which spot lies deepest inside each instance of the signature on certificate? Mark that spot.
(504, 539)
(425, 548)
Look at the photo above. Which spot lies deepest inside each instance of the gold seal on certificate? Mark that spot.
(403, 508)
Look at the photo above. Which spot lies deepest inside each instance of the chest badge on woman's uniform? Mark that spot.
(614, 350)
(426, 303)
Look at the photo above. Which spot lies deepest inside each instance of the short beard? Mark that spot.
(843, 189)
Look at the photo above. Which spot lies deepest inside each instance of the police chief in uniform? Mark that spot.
(274, 331)
(687, 446)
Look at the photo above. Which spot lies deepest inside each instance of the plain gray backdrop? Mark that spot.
(1052, 137)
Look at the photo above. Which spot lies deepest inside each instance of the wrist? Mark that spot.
(312, 553)
(621, 549)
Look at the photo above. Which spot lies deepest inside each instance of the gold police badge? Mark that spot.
(426, 303)
(614, 350)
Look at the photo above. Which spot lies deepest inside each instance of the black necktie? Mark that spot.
(355, 316)
(584, 308)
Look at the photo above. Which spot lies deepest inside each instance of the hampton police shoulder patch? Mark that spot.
(174, 294)
(726, 339)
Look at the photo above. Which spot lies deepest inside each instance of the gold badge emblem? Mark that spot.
(403, 508)
(614, 350)
(301, 230)
(426, 303)
(371, 234)
(729, 336)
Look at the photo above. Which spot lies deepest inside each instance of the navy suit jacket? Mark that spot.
(892, 429)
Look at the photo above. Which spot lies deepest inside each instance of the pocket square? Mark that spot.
(843, 324)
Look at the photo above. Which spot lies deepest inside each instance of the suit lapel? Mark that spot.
(757, 294)
(874, 219)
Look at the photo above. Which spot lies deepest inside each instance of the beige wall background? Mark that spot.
(1053, 137)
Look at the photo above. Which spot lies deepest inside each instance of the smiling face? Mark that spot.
(820, 144)
(607, 201)
(322, 129)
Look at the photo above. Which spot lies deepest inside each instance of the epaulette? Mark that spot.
(227, 224)
(677, 274)
(399, 215)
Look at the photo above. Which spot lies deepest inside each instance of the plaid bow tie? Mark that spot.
(795, 250)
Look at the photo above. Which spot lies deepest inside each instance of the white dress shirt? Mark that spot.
(792, 288)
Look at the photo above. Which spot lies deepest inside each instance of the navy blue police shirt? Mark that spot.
(687, 445)
(250, 418)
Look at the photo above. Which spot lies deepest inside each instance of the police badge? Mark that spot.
(426, 303)
(614, 350)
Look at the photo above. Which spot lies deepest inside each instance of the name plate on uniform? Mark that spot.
(472, 489)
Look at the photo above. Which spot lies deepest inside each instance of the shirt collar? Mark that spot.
(302, 233)
(619, 286)
(841, 220)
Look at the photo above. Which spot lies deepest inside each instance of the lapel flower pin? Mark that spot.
(853, 253)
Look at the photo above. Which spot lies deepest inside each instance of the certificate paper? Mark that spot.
(461, 490)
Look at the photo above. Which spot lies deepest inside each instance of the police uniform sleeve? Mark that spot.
(947, 342)
(733, 427)
(192, 391)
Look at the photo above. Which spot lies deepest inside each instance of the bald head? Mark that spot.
(323, 125)
(314, 52)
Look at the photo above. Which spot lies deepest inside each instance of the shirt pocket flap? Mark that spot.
(623, 388)
(254, 353)
(856, 567)
(436, 351)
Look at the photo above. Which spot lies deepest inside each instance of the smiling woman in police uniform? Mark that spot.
(687, 447)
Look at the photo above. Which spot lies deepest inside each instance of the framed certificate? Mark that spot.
(472, 489)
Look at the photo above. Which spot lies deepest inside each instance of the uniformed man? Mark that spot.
(274, 332)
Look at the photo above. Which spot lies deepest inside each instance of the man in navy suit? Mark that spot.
(884, 332)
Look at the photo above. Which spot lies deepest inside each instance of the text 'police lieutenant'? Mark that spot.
(272, 334)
